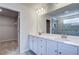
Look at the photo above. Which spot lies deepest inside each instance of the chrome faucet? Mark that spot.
(63, 36)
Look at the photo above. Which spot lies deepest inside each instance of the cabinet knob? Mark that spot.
(59, 52)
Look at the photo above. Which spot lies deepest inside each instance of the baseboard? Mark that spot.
(7, 40)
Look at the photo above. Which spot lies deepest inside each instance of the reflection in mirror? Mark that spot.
(68, 25)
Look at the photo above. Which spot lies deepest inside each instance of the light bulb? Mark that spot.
(42, 9)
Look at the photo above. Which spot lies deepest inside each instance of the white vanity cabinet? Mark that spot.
(66, 49)
(33, 44)
(52, 47)
(42, 46)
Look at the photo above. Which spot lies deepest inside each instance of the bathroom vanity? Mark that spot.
(64, 37)
(53, 44)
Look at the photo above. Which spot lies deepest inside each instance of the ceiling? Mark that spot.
(9, 13)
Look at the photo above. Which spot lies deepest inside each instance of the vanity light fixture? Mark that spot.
(40, 11)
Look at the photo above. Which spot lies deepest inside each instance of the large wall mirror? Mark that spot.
(68, 24)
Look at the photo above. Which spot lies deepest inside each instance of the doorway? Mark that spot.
(9, 31)
(47, 26)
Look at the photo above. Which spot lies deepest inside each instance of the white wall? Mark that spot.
(24, 22)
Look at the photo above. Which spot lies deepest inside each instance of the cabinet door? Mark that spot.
(30, 42)
(65, 49)
(33, 44)
(51, 47)
(41, 46)
(78, 51)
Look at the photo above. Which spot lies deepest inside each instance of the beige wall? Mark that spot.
(8, 28)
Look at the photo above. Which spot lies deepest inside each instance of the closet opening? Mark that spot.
(9, 31)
